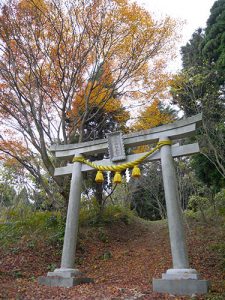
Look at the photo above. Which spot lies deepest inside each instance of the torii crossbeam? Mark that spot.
(180, 279)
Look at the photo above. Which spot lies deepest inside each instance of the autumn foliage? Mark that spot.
(152, 116)
(65, 66)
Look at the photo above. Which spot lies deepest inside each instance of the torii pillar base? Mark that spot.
(64, 278)
(181, 282)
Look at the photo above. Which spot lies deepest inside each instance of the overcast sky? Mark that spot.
(194, 12)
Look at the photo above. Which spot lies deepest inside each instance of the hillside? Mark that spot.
(122, 259)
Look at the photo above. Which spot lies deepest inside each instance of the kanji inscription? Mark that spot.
(116, 146)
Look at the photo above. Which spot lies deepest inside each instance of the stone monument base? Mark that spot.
(64, 278)
(181, 282)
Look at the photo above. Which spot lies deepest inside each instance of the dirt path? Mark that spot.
(121, 259)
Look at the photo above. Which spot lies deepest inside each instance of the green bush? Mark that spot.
(207, 209)
(198, 203)
(24, 222)
(92, 215)
(89, 213)
(219, 248)
(29, 225)
(114, 213)
(191, 214)
(220, 202)
(102, 235)
(215, 297)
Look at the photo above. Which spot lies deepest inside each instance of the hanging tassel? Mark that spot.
(99, 177)
(117, 178)
(136, 172)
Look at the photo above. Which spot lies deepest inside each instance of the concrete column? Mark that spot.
(70, 237)
(174, 215)
(67, 275)
(181, 280)
(66, 269)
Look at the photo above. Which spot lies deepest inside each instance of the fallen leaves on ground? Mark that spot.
(122, 265)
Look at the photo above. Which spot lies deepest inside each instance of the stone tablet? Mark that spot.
(116, 146)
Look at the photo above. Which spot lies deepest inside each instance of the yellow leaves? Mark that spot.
(180, 83)
(126, 35)
(135, 27)
(32, 5)
(99, 95)
(134, 15)
(60, 46)
(141, 149)
(95, 95)
(152, 117)
(121, 3)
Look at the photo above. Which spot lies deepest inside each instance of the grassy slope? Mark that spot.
(122, 259)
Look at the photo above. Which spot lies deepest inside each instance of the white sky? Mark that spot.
(194, 12)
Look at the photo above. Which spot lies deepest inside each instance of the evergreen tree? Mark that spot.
(200, 86)
(214, 42)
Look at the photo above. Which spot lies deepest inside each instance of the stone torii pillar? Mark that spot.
(70, 237)
(181, 279)
(174, 215)
(67, 275)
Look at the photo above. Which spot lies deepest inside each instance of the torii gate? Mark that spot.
(180, 279)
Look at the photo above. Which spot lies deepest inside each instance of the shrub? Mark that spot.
(220, 202)
(92, 214)
(29, 225)
(24, 222)
(199, 203)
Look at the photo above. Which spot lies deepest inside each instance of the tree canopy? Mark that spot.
(67, 68)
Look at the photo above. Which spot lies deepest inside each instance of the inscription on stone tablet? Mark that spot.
(116, 146)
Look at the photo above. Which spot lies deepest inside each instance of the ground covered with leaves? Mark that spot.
(121, 258)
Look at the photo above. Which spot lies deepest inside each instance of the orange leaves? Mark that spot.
(96, 95)
(32, 6)
(14, 147)
(71, 63)
(152, 117)
(13, 45)
(59, 46)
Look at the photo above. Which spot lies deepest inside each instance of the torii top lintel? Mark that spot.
(176, 130)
